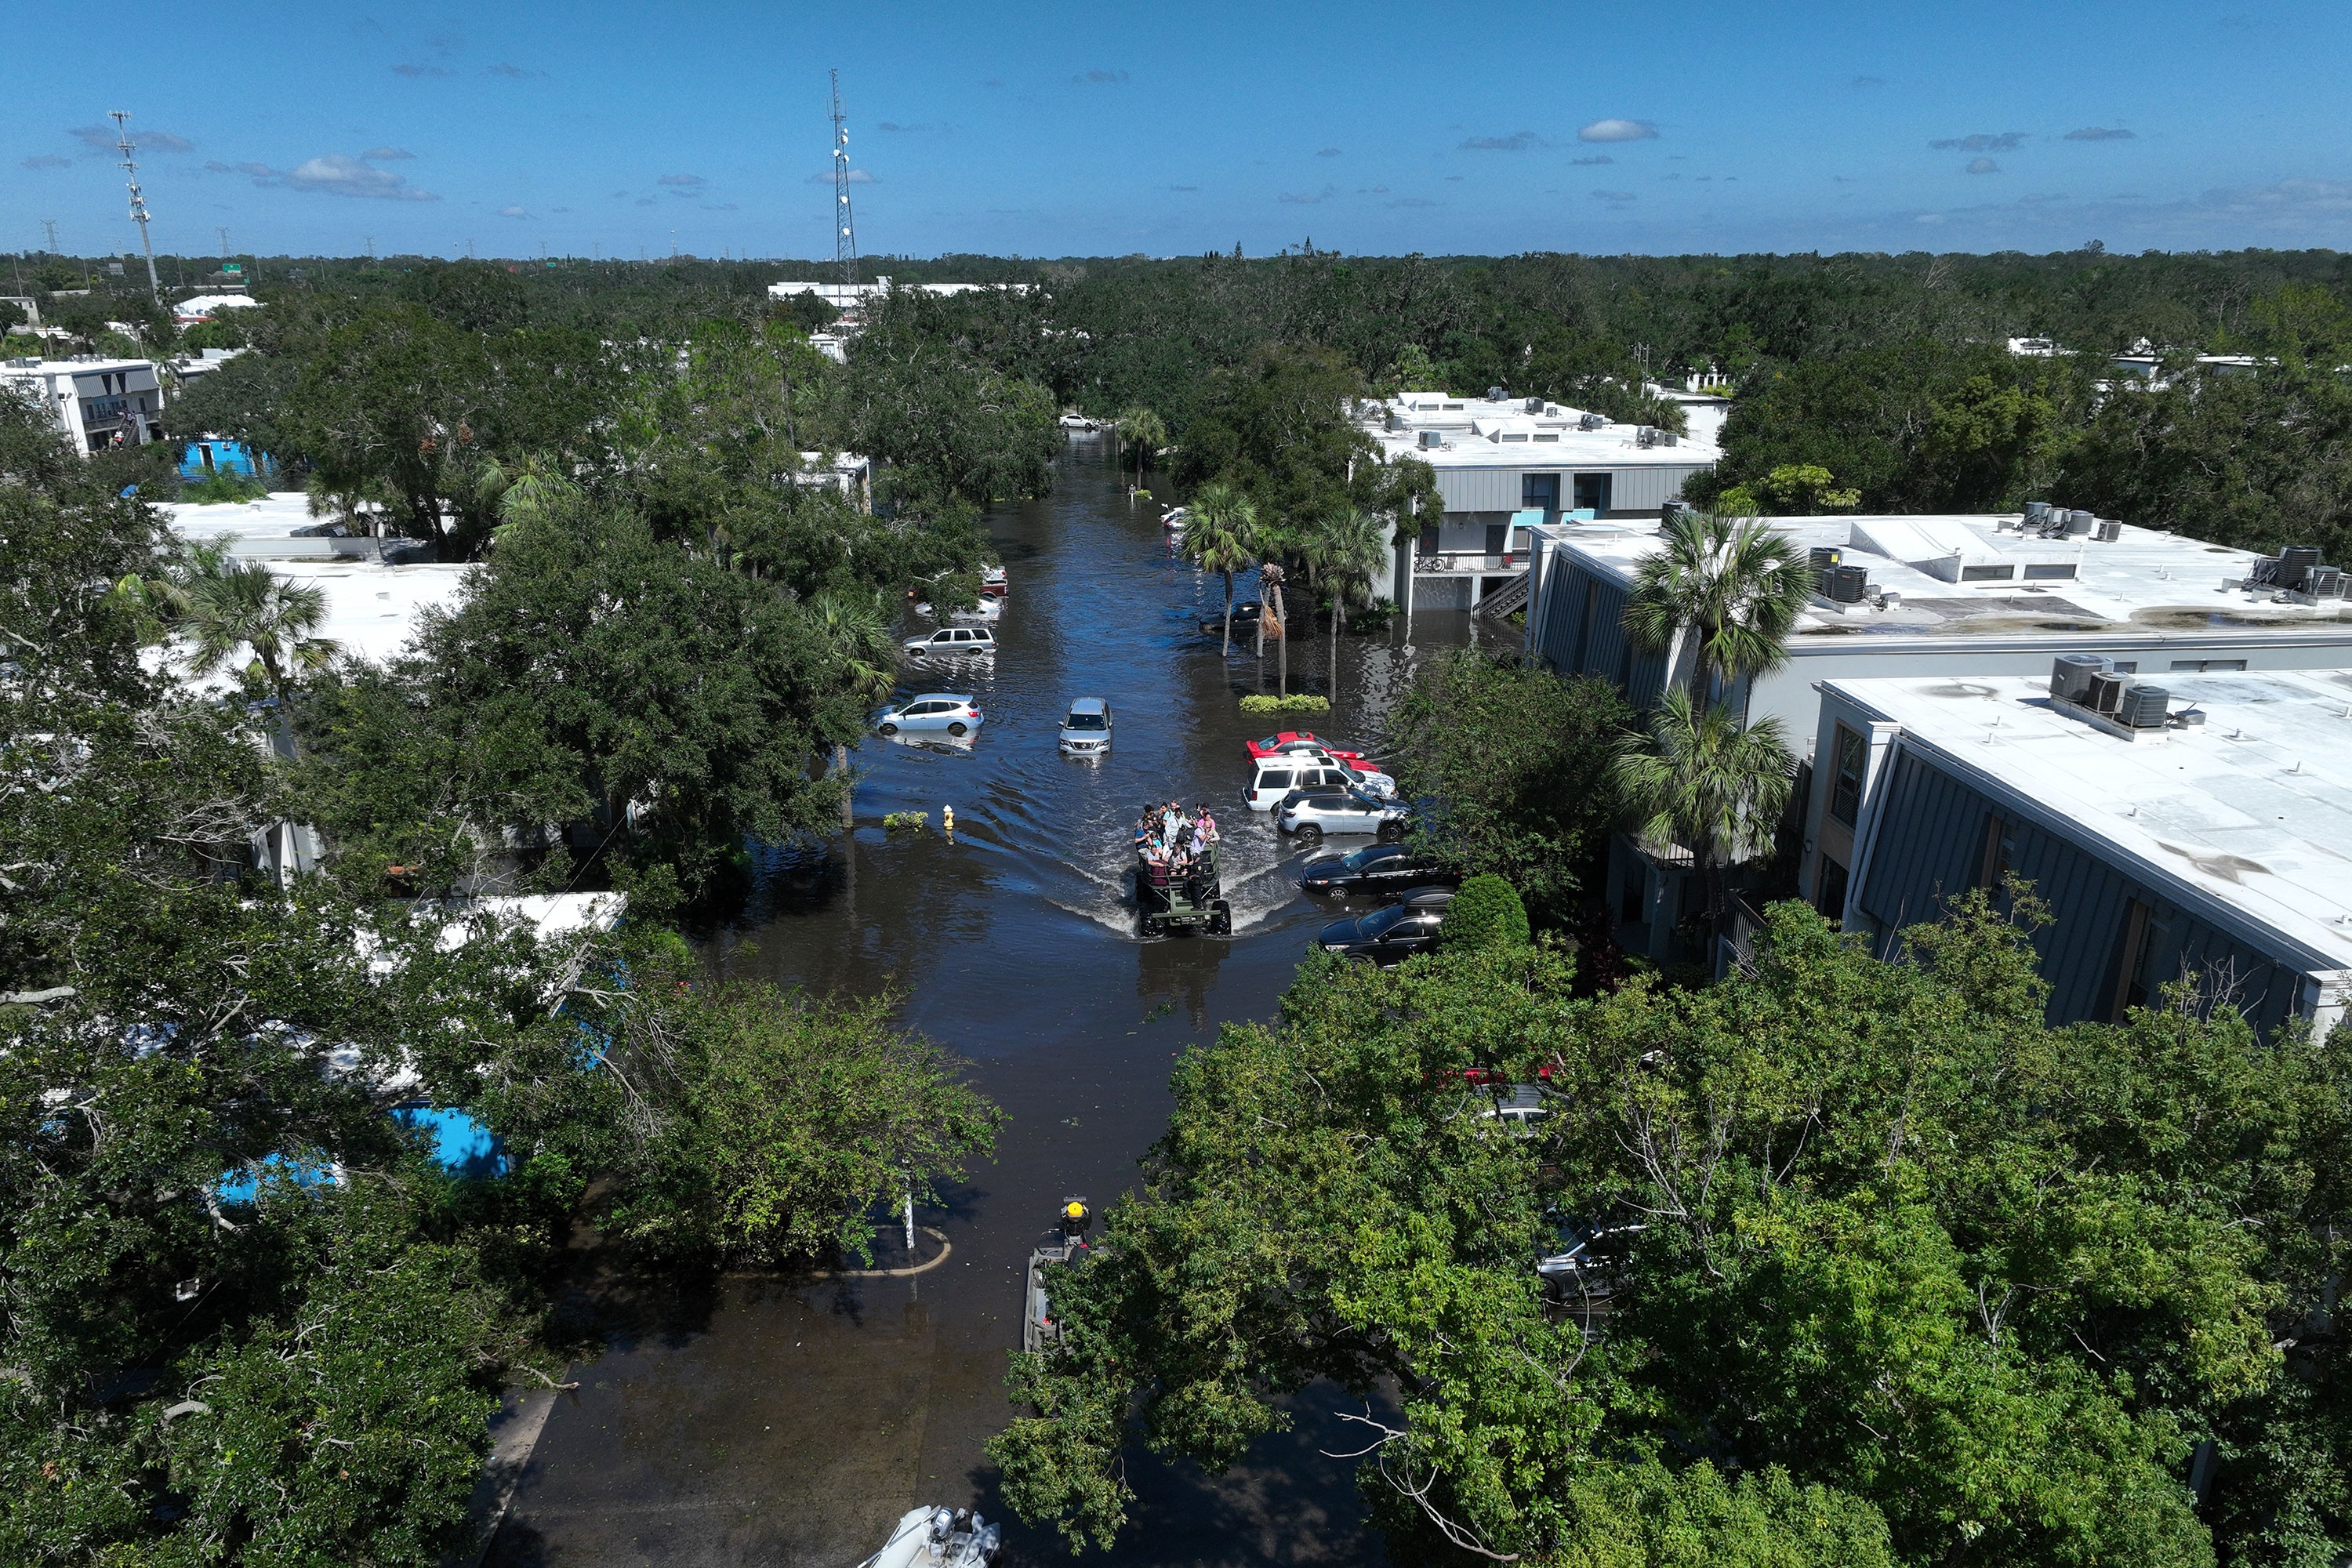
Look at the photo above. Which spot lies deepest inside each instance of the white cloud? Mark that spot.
(1981, 141)
(1983, 166)
(1618, 131)
(1328, 153)
(336, 174)
(512, 212)
(2100, 134)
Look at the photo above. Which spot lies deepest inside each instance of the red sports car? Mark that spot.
(1290, 741)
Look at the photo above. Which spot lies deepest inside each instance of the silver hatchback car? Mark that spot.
(932, 710)
(1086, 729)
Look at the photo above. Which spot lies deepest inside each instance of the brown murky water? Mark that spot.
(758, 1421)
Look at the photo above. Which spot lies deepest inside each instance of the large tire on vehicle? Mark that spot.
(1221, 919)
(1310, 831)
(1392, 833)
(1153, 926)
(889, 729)
(958, 728)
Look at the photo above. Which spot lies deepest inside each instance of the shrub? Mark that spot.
(1486, 912)
(912, 821)
(1298, 702)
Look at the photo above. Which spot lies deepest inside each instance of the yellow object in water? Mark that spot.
(947, 817)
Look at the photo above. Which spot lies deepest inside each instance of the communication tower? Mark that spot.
(127, 147)
(845, 230)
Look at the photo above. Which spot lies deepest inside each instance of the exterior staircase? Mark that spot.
(1512, 595)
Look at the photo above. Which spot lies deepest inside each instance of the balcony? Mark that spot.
(1467, 563)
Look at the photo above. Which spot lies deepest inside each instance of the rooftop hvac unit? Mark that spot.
(2037, 513)
(1591, 421)
(2296, 564)
(2070, 677)
(1433, 437)
(1843, 584)
(2142, 707)
(2323, 582)
(2080, 523)
(1535, 405)
(1497, 393)
(2109, 530)
(1825, 556)
(2106, 690)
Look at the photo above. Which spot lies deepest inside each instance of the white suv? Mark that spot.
(953, 642)
(1278, 775)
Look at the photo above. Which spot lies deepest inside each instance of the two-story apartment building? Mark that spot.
(99, 403)
(1507, 465)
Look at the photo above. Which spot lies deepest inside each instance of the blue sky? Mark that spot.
(596, 128)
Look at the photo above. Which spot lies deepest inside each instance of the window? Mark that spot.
(1987, 574)
(1539, 491)
(1592, 493)
(1274, 778)
(2143, 946)
(1997, 854)
(1498, 537)
(1828, 891)
(1547, 435)
(1514, 435)
(2207, 666)
(2046, 571)
(1848, 757)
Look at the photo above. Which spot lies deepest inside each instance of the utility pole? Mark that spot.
(123, 143)
(845, 238)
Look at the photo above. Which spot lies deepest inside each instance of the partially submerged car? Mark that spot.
(1349, 811)
(941, 710)
(1085, 728)
(1393, 934)
(953, 642)
(1285, 742)
(1374, 869)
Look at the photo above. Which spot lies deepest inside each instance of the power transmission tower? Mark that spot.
(51, 225)
(845, 238)
(224, 239)
(123, 143)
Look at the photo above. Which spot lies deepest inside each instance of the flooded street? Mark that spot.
(764, 1420)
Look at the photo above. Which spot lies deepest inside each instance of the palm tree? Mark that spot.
(860, 634)
(525, 494)
(1730, 583)
(1269, 593)
(1709, 783)
(1346, 551)
(1218, 527)
(1145, 433)
(221, 606)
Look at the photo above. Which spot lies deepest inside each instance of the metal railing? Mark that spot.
(1441, 560)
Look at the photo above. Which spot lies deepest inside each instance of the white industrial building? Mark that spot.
(98, 402)
(204, 307)
(2204, 839)
(851, 296)
(1507, 465)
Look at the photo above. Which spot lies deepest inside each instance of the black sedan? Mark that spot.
(1377, 869)
(1391, 935)
(1245, 614)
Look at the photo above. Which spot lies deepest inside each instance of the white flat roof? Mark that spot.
(2252, 810)
(1490, 433)
(80, 365)
(2148, 580)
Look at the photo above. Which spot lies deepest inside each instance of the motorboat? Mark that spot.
(937, 1536)
(1068, 1244)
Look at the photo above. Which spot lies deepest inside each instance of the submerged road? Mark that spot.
(762, 1421)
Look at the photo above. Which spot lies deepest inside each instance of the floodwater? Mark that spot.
(780, 1422)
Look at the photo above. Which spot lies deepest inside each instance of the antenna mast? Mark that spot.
(845, 236)
(138, 201)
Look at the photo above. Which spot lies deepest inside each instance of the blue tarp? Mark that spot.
(462, 1145)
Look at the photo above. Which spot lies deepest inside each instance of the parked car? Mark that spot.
(1353, 812)
(1375, 868)
(1278, 777)
(1393, 934)
(946, 711)
(1371, 780)
(985, 612)
(992, 582)
(1288, 741)
(1582, 1270)
(1085, 728)
(1245, 618)
(953, 642)
(1518, 1107)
